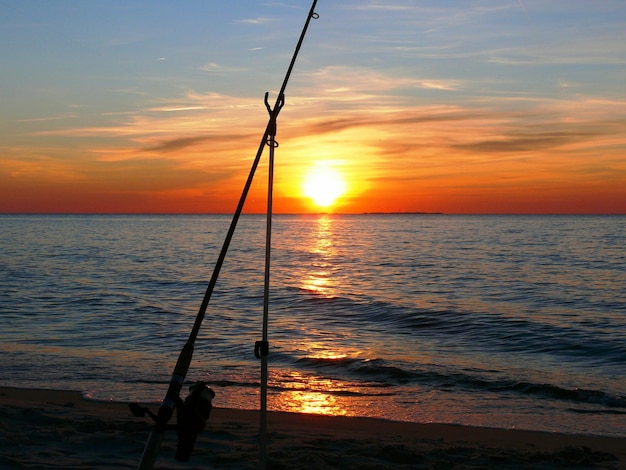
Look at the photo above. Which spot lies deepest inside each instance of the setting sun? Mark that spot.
(323, 185)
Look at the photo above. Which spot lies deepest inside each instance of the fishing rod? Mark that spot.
(194, 411)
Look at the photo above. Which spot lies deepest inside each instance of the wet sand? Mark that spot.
(47, 429)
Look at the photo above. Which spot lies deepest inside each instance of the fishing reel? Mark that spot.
(192, 415)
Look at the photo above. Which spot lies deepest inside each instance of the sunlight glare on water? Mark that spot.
(317, 278)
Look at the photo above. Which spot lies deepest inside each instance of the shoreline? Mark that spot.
(61, 429)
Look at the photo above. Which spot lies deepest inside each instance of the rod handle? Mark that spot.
(151, 450)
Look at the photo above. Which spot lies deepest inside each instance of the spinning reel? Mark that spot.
(192, 415)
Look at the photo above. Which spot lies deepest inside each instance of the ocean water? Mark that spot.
(502, 321)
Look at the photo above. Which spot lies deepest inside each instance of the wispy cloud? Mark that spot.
(528, 141)
(378, 6)
(351, 80)
(259, 20)
(214, 67)
(61, 116)
(176, 109)
(181, 143)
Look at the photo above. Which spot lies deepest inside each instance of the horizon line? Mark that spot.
(326, 213)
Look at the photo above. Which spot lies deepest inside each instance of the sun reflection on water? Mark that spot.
(298, 401)
(314, 391)
(310, 394)
(319, 278)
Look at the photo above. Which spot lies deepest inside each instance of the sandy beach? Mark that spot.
(47, 429)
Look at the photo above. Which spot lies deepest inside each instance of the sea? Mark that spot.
(514, 322)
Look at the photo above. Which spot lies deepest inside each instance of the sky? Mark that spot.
(454, 106)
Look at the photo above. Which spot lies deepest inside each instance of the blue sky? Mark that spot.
(459, 106)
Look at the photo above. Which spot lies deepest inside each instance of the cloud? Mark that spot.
(358, 80)
(176, 109)
(260, 20)
(529, 142)
(178, 144)
(214, 67)
(60, 116)
(193, 113)
(382, 6)
(389, 119)
(181, 143)
(447, 85)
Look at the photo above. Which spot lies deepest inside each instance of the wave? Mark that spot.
(475, 330)
(579, 395)
(379, 370)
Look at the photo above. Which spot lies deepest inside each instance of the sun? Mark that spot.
(323, 185)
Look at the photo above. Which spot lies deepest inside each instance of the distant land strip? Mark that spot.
(402, 213)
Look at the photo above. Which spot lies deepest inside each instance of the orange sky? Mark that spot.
(456, 109)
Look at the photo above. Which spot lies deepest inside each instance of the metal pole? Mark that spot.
(266, 291)
(262, 347)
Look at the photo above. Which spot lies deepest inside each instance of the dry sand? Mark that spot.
(44, 429)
